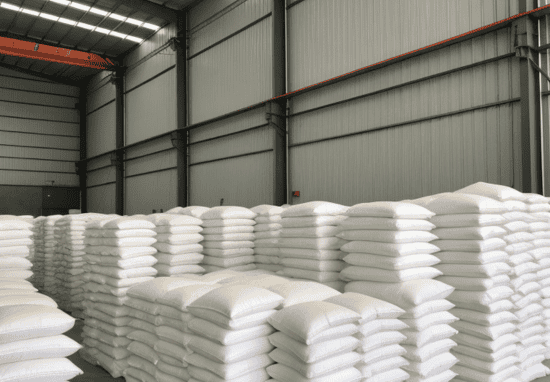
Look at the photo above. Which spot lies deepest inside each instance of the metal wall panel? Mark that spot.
(36, 98)
(21, 200)
(328, 38)
(149, 68)
(407, 162)
(98, 80)
(100, 96)
(206, 9)
(33, 152)
(13, 73)
(245, 181)
(36, 164)
(101, 161)
(227, 126)
(38, 112)
(37, 178)
(242, 15)
(22, 139)
(232, 75)
(150, 163)
(255, 140)
(100, 131)
(39, 127)
(151, 108)
(152, 191)
(149, 148)
(150, 45)
(101, 199)
(105, 175)
(40, 86)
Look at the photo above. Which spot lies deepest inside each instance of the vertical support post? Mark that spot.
(181, 102)
(278, 107)
(531, 157)
(82, 166)
(119, 157)
(545, 105)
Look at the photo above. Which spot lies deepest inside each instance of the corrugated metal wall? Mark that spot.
(411, 140)
(328, 38)
(150, 100)
(39, 131)
(229, 56)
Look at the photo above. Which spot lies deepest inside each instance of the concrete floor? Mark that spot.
(91, 373)
(95, 373)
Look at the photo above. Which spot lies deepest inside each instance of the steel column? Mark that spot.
(277, 109)
(118, 157)
(181, 135)
(528, 172)
(545, 105)
(82, 166)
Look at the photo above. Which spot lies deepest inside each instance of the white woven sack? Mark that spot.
(494, 191)
(136, 262)
(223, 336)
(17, 284)
(119, 233)
(475, 284)
(176, 230)
(313, 265)
(182, 259)
(15, 242)
(18, 263)
(396, 237)
(314, 208)
(230, 353)
(487, 367)
(235, 252)
(231, 229)
(378, 340)
(465, 204)
(199, 375)
(230, 371)
(228, 262)
(483, 319)
(434, 306)
(267, 210)
(121, 242)
(227, 222)
(265, 227)
(297, 292)
(507, 351)
(468, 374)
(284, 373)
(7, 224)
(262, 259)
(318, 276)
(469, 270)
(437, 365)
(317, 369)
(389, 249)
(23, 322)
(15, 234)
(178, 249)
(405, 295)
(27, 299)
(312, 221)
(166, 219)
(356, 273)
(387, 224)
(228, 244)
(383, 353)
(327, 243)
(118, 273)
(429, 320)
(21, 250)
(316, 317)
(123, 253)
(152, 290)
(539, 226)
(426, 337)
(228, 212)
(470, 233)
(316, 352)
(180, 239)
(472, 258)
(312, 232)
(425, 353)
(58, 346)
(268, 219)
(470, 245)
(396, 210)
(52, 369)
(304, 253)
(391, 263)
(238, 268)
(236, 301)
(195, 211)
(484, 332)
(125, 222)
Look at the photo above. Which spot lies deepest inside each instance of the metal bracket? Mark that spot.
(78, 169)
(269, 118)
(539, 69)
(115, 160)
(177, 140)
(173, 42)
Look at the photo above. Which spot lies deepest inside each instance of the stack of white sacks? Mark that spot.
(268, 226)
(178, 238)
(474, 262)
(157, 345)
(70, 250)
(391, 257)
(32, 344)
(230, 340)
(228, 239)
(195, 211)
(519, 241)
(38, 262)
(119, 254)
(50, 250)
(309, 247)
(15, 242)
(539, 207)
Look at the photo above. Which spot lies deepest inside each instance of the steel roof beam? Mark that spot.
(153, 9)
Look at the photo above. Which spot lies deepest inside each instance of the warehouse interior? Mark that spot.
(377, 164)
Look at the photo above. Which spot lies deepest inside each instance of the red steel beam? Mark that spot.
(13, 47)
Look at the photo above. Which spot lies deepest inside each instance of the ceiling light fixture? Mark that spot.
(67, 21)
(151, 26)
(117, 17)
(79, 6)
(63, 2)
(85, 26)
(30, 12)
(135, 39)
(134, 21)
(102, 30)
(48, 16)
(10, 6)
(98, 12)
